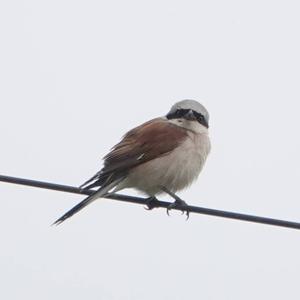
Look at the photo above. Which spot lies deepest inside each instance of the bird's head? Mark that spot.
(189, 114)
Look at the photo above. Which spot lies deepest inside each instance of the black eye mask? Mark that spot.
(179, 113)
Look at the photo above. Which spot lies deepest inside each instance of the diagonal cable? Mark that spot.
(143, 201)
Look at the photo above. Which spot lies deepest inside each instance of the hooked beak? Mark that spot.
(190, 116)
(204, 123)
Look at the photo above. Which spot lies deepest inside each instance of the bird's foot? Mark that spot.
(179, 204)
(151, 203)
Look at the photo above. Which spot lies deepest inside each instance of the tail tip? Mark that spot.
(57, 222)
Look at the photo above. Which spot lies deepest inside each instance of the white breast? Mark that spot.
(175, 171)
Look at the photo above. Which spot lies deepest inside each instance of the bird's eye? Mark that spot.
(179, 113)
(199, 117)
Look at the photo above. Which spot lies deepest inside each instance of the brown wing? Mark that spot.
(141, 144)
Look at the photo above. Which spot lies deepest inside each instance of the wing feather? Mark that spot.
(152, 139)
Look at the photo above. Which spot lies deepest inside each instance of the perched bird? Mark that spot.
(165, 154)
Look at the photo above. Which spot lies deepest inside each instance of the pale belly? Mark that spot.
(175, 171)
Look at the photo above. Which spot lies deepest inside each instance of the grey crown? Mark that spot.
(191, 104)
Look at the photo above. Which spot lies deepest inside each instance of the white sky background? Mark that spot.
(75, 75)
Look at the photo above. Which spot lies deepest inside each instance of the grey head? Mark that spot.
(190, 110)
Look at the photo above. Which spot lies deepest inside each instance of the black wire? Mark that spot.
(143, 201)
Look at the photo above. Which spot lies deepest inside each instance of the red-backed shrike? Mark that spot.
(165, 154)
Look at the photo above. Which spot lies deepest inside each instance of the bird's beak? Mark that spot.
(205, 124)
(190, 116)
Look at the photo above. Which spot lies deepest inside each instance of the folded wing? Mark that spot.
(141, 144)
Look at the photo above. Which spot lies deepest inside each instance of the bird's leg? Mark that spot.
(151, 203)
(179, 203)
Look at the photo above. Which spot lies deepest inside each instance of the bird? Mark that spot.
(163, 155)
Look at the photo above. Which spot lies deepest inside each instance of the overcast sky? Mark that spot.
(75, 75)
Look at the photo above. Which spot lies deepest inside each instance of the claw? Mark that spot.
(181, 205)
(187, 215)
(168, 210)
(151, 203)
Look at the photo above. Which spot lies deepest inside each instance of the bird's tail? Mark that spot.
(102, 191)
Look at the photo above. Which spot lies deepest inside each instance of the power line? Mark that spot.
(143, 201)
